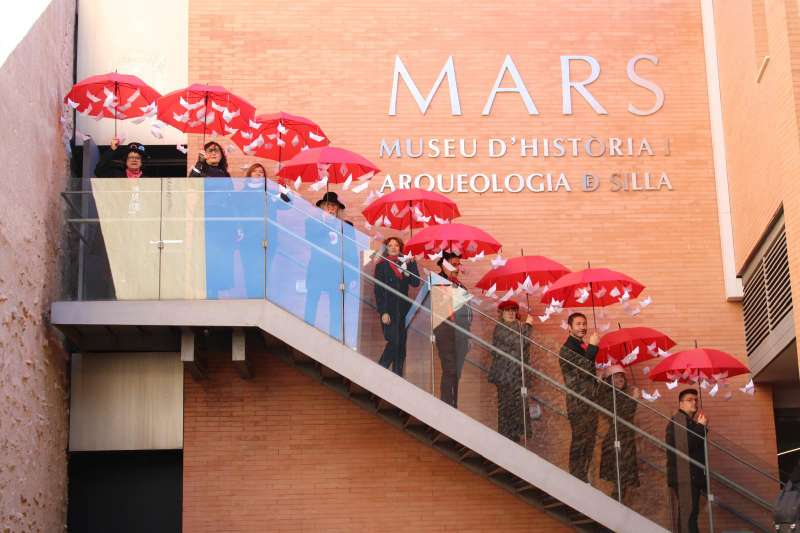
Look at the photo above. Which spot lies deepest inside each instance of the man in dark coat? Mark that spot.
(577, 367)
(333, 249)
(131, 155)
(393, 282)
(686, 432)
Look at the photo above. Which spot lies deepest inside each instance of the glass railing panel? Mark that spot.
(117, 222)
(212, 237)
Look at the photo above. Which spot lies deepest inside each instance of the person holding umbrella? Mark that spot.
(511, 337)
(333, 241)
(625, 403)
(132, 156)
(451, 343)
(211, 162)
(686, 432)
(393, 278)
(577, 366)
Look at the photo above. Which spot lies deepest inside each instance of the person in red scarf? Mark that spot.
(391, 300)
(131, 155)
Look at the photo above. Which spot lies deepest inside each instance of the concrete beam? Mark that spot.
(192, 361)
(239, 354)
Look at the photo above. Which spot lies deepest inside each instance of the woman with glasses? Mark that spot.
(211, 162)
(131, 156)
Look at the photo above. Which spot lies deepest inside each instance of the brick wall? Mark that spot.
(281, 452)
(334, 65)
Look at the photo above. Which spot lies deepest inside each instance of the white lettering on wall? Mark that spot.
(448, 70)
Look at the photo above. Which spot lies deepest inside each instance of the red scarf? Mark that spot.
(392, 260)
(133, 175)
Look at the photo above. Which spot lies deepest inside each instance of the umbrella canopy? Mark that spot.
(520, 271)
(593, 287)
(700, 363)
(466, 241)
(113, 95)
(201, 108)
(628, 346)
(411, 208)
(328, 164)
(279, 136)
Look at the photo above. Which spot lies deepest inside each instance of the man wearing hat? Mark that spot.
(332, 264)
(131, 155)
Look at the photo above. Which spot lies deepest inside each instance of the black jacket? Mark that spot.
(112, 163)
(387, 301)
(583, 383)
(201, 169)
(695, 436)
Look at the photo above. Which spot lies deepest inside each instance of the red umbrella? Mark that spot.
(466, 241)
(697, 364)
(336, 164)
(518, 270)
(201, 108)
(113, 95)
(279, 136)
(411, 208)
(596, 287)
(616, 347)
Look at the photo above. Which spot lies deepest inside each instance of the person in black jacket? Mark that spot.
(131, 156)
(393, 276)
(686, 432)
(211, 162)
(577, 366)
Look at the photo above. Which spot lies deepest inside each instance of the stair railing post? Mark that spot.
(617, 444)
(709, 494)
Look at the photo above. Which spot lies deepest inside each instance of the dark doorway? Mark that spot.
(787, 432)
(125, 492)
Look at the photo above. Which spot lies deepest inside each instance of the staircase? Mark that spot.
(369, 385)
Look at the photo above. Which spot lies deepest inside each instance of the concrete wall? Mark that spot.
(33, 414)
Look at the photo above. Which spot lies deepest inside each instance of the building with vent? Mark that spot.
(162, 370)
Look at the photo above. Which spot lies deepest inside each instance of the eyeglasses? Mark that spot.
(134, 158)
(213, 150)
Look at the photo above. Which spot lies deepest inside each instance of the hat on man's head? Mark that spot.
(615, 369)
(332, 198)
(136, 148)
(508, 304)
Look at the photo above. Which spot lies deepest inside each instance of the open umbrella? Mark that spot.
(201, 108)
(628, 346)
(327, 165)
(595, 287)
(113, 95)
(462, 239)
(527, 273)
(697, 365)
(411, 208)
(279, 136)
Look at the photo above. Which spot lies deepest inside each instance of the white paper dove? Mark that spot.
(182, 149)
(631, 357)
(564, 325)
(387, 222)
(625, 297)
(507, 296)
(645, 302)
(359, 188)
(672, 384)
(281, 128)
(646, 370)
(634, 310)
(139, 120)
(314, 137)
(651, 349)
(491, 290)
(583, 295)
(91, 97)
(544, 317)
(476, 257)
(155, 131)
(704, 384)
(435, 257)
(714, 390)
(319, 184)
(651, 397)
(227, 116)
(527, 285)
(347, 182)
(600, 293)
(253, 124)
(190, 107)
(662, 353)
(750, 388)
(423, 219)
(614, 292)
(498, 261)
(440, 220)
(73, 105)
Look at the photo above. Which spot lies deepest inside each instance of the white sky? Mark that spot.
(16, 22)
